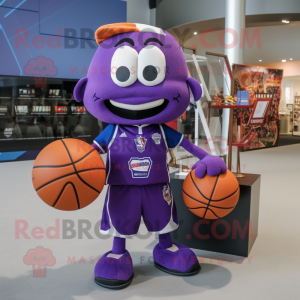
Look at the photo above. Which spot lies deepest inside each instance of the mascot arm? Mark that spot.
(175, 138)
(102, 141)
(212, 165)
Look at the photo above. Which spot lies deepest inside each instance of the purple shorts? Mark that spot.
(126, 204)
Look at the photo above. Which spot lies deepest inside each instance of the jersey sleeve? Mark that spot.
(104, 138)
(173, 137)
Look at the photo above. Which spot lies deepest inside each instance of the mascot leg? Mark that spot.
(174, 258)
(114, 270)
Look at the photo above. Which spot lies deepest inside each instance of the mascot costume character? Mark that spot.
(138, 81)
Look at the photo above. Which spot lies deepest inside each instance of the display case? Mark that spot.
(36, 111)
(219, 85)
(290, 107)
(296, 116)
(204, 125)
(193, 125)
(286, 118)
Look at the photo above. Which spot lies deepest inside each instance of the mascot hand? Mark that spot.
(213, 165)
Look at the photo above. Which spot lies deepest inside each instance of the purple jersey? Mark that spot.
(137, 155)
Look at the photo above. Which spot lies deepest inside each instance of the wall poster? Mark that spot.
(261, 83)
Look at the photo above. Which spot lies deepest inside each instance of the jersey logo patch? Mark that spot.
(156, 138)
(123, 134)
(167, 193)
(140, 167)
(140, 143)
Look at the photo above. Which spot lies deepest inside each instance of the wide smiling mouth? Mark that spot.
(138, 111)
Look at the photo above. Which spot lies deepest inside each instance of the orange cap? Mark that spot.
(106, 31)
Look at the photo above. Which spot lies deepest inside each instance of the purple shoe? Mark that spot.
(176, 260)
(114, 271)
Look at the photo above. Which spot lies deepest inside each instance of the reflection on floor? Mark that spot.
(285, 140)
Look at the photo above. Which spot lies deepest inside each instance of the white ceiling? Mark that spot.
(277, 42)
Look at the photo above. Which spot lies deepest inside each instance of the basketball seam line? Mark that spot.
(76, 169)
(59, 166)
(197, 187)
(210, 210)
(213, 213)
(206, 197)
(205, 203)
(225, 197)
(211, 196)
(199, 192)
(78, 204)
(66, 176)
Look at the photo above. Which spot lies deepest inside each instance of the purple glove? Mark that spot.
(213, 165)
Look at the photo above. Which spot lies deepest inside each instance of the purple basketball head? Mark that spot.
(137, 77)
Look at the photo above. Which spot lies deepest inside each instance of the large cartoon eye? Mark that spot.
(124, 66)
(36, 68)
(45, 68)
(151, 66)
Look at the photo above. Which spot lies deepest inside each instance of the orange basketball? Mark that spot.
(211, 197)
(68, 174)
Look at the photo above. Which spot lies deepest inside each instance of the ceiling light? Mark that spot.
(291, 59)
(260, 60)
(195, 33)
(285, 21)
(284, 60)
